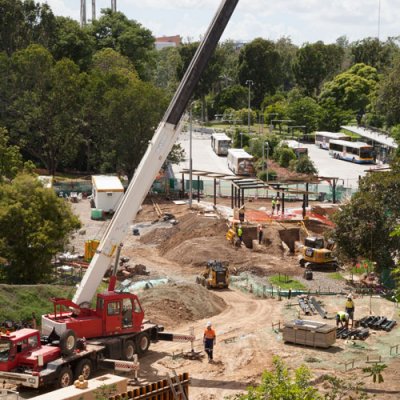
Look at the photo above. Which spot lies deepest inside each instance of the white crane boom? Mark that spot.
(157, 151)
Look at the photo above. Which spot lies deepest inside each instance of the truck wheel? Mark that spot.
(142, 343)
(68, 342)
(85, 368)
(302, 263)
(64, 377)
(129, 350)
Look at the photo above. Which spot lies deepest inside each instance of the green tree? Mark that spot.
(168, 60)
(230, 60)
(373, 52)
(46, 107)
(210, 76)
(363, 225)
(388, 102)
(71, 41)
(305, 111)
(333, 117)
(128, 131)
(44, 222)
(287, 51)
(304, 165)
(23, 23)
(353, 89)
(376, 372)
(115, 31)
(10, 158)
(316, 63)
(280, 384)
(283, 155)
(231, 97)
(260, 62)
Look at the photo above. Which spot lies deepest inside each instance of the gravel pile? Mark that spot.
(322, 282)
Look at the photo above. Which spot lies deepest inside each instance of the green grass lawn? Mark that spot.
(286, 282)
(336, 275)
(19, 301)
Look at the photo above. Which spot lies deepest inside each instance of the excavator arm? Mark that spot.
(157, 151)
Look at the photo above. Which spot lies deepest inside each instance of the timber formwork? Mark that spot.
(160, 390)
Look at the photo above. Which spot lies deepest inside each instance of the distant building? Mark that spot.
(167, 41)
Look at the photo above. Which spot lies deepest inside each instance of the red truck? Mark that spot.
(75, 338)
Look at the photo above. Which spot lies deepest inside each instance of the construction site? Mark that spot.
(195, 296)
(168, 247)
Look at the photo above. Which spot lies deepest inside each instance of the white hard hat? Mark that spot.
(208, 323)
(350, 296)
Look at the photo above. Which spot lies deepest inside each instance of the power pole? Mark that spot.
(93, 10)
(83, 13)
(114, 5)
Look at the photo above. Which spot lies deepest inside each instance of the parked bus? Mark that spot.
(240, 162)
(322, 138)
(358, 152)
(220, 143)
(297, 147)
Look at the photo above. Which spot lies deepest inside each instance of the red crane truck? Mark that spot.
(75, 338)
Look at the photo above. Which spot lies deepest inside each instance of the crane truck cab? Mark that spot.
(22, 357)
(115, 314)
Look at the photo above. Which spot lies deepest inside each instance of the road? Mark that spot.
(203, 156)
(205, 159)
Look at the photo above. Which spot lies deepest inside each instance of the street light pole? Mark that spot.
(190, 158)
(249, 82)
(266, 143)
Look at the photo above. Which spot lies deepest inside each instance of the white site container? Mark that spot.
(107, 192)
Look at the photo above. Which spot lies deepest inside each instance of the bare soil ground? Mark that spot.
(246, 340)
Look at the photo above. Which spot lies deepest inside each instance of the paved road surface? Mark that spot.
(205, 159)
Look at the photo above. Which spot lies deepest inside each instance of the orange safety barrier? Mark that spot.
(160, 390)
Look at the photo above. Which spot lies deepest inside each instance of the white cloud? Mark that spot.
(302, 20)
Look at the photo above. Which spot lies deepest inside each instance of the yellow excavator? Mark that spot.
(215, 276)
(316, 253)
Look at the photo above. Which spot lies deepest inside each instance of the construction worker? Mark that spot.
(342, 318)
(241, 214)
(273, 205)
(209, 340)
(278, 205)
(240, 233)
(349, 308)
(260, 233)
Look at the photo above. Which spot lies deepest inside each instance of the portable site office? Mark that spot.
(107, 192)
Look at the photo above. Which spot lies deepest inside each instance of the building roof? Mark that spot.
(372, 135)
(168, 41)
(107, 183)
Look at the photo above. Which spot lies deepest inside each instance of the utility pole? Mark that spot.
(93, 10)
(250, 83)
(190, 156)
(114, 5)
(83, 13)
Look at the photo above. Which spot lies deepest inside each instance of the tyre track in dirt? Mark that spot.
(241, 353)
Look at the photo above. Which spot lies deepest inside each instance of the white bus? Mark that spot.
(297, 147)
(358, 152)
(322, 138)
(220, 143)
(240, 162)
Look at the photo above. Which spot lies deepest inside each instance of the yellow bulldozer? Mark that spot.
(316, 253)
(215, 276)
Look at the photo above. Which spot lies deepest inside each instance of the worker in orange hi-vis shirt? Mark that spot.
(209, 341)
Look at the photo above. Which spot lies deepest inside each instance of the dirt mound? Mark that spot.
(156, 236)
(175, 304)
(192, 226)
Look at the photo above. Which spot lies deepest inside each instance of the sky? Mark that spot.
(300, 20)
